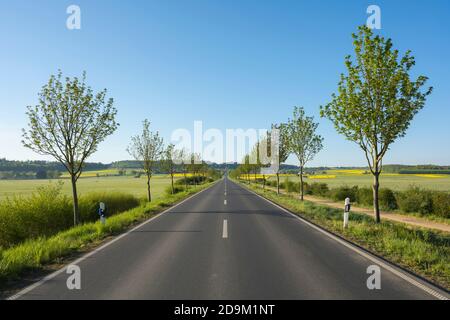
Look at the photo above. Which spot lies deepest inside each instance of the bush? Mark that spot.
(339, 194)
(292, 186)
(415, 200)
(318, 189)
(192, 180)
(176, 189)
(47, 211)
(387, 199)
(441, 204)
(365, 196)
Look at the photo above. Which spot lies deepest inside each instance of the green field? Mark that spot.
(336, 178)
(126, 184)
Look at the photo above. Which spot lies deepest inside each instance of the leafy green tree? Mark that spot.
(283, 148)
(68, 124)
(168, 163)
(376, 100)
(147, 148)
(246, 168)
(195, 166)
(303, 140)
(181, 158)
(255, 161)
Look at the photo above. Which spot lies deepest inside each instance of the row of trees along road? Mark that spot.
(70, 121)
(375, 104)
(148, 148)
(297, 136)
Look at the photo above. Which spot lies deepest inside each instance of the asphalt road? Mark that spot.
(244, 249)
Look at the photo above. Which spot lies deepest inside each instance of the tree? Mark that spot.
(147, 148)
(283, 148)
(181, 158)
(265, 148)
(194, 166)
(303, 140)
(68, 124)
(246, 168)
(376, 100)
(255, 161)
(41, 174)
(169, 162)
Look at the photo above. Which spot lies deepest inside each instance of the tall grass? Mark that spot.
(423, 251)
(47, 211)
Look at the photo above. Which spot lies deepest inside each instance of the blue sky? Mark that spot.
(231, 64)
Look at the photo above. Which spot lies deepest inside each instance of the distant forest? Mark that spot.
(12, 169)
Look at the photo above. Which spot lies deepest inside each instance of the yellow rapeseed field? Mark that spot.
(318, 176)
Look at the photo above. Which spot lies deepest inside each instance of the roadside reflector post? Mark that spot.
(102, 213)
(346, 212)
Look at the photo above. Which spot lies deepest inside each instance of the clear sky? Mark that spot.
(231, 64)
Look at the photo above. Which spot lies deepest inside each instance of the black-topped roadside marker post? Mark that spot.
(346, 212)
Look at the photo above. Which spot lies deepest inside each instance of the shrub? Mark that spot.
(292, 186)
(339, 194)
(365, 196)
(415, 200)
(387, 199)
(318, 189)
(176, 189)
(47, 211)
(441, 204)
(192, 180)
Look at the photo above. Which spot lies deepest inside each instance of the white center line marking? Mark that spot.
(225, 202)
(225, 229)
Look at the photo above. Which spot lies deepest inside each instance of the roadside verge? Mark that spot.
(423, 252)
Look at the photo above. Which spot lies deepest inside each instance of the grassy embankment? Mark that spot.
(425, 252)
(34, 254)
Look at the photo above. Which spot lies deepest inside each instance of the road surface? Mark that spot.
(225, 243)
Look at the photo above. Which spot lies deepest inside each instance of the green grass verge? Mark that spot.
(422, 251)
(34, 255)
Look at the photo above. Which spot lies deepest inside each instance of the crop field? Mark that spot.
(126, 184)
(394, 181)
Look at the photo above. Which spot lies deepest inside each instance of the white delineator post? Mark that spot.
(346, 212)
(102, 213)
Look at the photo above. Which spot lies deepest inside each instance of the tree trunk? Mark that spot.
(148, 189)
(264, 182)
(301, 183)
(185, 181)
(376, 205)
(278, 183)
(171, 176)
(76, 210)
